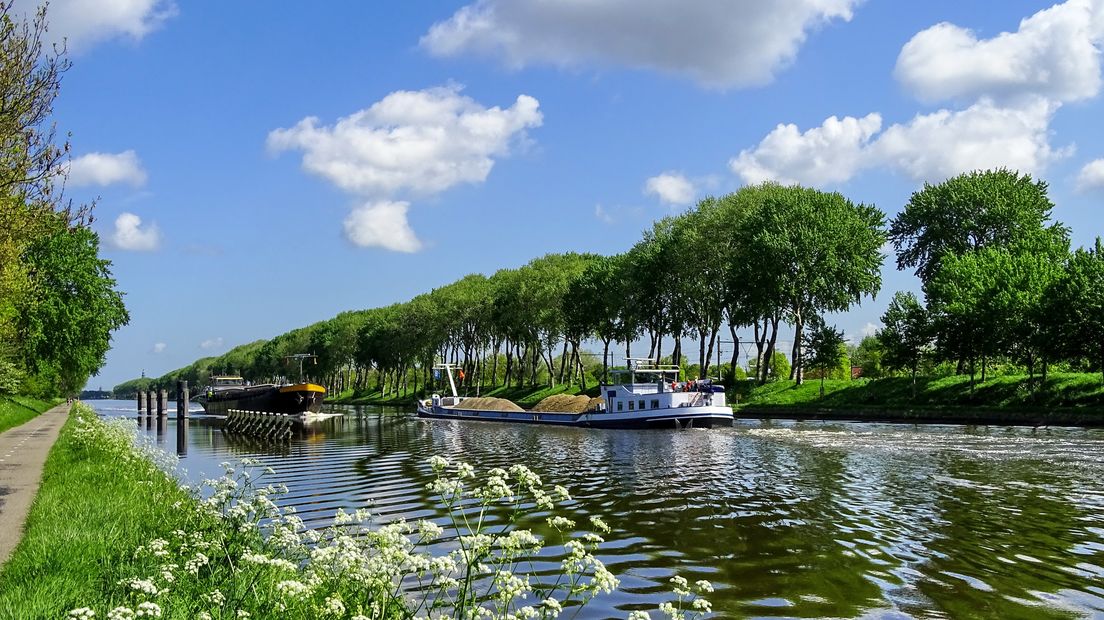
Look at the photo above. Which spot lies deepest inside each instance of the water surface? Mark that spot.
(788, 520)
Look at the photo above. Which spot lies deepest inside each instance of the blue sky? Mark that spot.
(457, 137)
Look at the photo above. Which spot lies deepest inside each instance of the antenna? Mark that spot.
(301, 357)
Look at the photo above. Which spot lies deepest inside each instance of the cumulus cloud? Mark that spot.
(1091, 176)
(211, 343)
(159, 347)
(869, 329)
(409, 143)
(671, 188)
(718, 43)
(382, 224)
(106, 169)
(129, 234)
(930, 147)
(831, 153)
(421, 142)
(84, 23)
(1055, 53)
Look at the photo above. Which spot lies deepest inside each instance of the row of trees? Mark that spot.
(754, 259)
(999, 281)
(58, 302)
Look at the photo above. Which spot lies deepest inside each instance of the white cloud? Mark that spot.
(83, 23)
(720, 43)
(869, 329)
(671, 188)
(130, 235)
(410, 142)
(106, 169)
(211, 343)
(930, 147)
(382, 224)
(831, 153)
(603, 215)
(1091, 176)
(1054, 54)
(422, 142)
(159, 347)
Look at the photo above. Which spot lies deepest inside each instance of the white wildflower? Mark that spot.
(639, 615)
(561, 523)
(148, 610)
(679, 585)
(438, 463)
(702, 605)
(599, 524)
(333, 606)
(293, 589)
(120, 613)
(82, 613)
(704, 586)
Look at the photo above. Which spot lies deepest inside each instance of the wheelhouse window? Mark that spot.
(655, 403)
(620, 405)
(641, 405)
(631, 403)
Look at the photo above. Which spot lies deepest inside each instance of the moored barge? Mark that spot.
(228, 392)
(642, 396)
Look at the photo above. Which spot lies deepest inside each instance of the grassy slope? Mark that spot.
(90, 514)
(15, 410)
(1076, 393)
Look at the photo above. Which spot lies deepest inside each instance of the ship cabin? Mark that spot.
(645, 386)
(225, 382)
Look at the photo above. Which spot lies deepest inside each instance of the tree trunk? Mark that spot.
(983, 367)
(709, 351)
(701, 354)
(768, 354)
(605, 361)
(659, 348)
(798, 364)
(563, 361)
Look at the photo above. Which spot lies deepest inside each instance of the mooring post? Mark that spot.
(182, 436)
(149, 402)
(181, 400)
(141, 398)
(162, 396)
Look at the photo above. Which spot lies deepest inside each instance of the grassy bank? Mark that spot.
(112, 536)
(525, 396)
(96, 505)
(1069, 397)
(15, 410)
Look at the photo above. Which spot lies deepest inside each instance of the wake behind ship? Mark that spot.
(231, 392)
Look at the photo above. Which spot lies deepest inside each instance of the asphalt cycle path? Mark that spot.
(23, 451)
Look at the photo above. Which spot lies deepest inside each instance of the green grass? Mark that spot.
(93, 509)
(1075, 395)
(15, 410)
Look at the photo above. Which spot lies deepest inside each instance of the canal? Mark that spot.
(787, 519)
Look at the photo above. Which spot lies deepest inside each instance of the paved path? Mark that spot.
(23, 451)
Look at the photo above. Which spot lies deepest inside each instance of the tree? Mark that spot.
(823, 250)
(68, 318)
(825, 347)
(988, 302)
(906, 336)
(1076, 302)
(868, 356)
(968, 212)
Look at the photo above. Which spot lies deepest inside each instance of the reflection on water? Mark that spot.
(795, 520)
